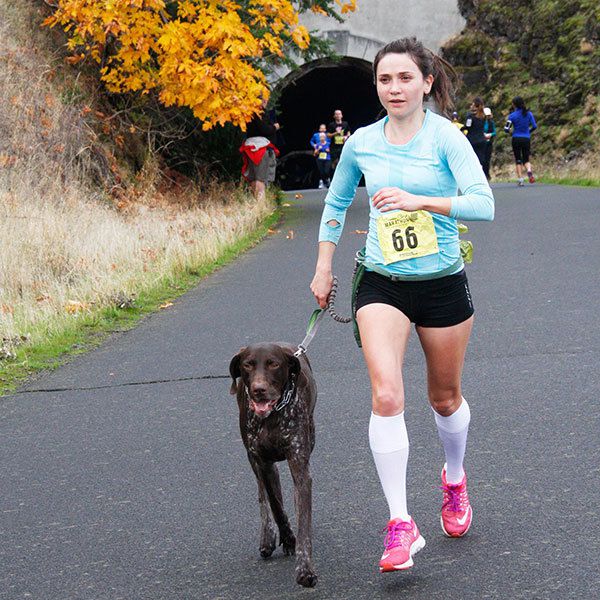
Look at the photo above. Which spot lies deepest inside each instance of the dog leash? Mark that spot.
(315, 319)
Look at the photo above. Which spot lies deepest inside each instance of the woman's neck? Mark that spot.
(401, 131)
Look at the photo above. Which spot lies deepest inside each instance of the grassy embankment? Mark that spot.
(79, 260)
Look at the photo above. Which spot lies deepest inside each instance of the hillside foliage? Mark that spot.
(546, 51)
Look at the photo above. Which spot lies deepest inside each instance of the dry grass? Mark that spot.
(67, 247)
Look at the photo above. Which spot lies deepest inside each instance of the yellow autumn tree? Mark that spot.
(207, 55)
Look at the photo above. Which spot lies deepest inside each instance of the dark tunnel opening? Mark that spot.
(308, 97)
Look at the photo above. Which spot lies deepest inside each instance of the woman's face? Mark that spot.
(401, 85)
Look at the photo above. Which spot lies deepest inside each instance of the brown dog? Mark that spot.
(276, 395)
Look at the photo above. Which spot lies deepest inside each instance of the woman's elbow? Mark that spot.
(490, 210)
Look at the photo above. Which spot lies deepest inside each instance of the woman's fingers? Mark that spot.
(321, 288)
(383, 193)
(385, 196)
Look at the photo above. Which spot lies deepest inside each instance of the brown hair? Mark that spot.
(429, 63)
(478, 103)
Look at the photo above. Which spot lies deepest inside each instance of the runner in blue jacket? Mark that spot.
(414, 163)
(522, 122)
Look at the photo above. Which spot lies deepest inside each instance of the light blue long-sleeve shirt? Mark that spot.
(436, 162)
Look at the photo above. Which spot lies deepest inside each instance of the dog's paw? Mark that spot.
(268, 543)
(305, 576)
(289, 544)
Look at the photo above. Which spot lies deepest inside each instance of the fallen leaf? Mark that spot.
(73, 60)
(290, 235)
(74, 306)
(286, 205)
(362, 231)
(272, 231)
(166, 305)
(298, 196)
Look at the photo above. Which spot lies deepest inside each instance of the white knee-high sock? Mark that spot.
(453, 432)
(389, 444)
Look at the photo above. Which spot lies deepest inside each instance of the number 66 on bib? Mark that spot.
(403, 235)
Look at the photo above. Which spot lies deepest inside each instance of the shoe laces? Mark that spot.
(455, 496)
(398, 533)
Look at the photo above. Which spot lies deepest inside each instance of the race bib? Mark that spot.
(403, 235)
(338, 139)
(323, 155)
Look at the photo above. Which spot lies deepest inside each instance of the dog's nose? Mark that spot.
(258, 388)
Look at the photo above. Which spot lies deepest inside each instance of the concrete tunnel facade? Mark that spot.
(308, 95)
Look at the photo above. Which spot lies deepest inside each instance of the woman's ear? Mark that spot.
(234, 371)
(428, 84)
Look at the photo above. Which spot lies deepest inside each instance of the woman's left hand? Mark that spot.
(392, 198)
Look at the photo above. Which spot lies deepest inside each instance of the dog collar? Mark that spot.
(288, 393)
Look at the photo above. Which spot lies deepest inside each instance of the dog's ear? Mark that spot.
(293, 363)
(234, 371)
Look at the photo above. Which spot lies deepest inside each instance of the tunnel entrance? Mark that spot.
(307, 97)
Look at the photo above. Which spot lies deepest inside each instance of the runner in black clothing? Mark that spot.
(474, 126)
(338, 131)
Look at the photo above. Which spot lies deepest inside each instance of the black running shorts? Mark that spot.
(521, 149)
(439, 302)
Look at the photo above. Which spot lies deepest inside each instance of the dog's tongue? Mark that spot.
(261, 407)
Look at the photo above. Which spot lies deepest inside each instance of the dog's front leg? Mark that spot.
(270, 478)
(305, 573)
(268, 537)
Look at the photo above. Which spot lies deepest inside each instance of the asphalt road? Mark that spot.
(123, 474)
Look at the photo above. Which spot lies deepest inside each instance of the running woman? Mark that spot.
(475, 129)
(522, 123)
(414, 163)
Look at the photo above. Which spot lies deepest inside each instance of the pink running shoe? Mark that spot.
(402, 542)
(457, 513)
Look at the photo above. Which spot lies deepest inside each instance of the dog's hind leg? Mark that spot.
(268, 536)
(305, 573)
(270, 478)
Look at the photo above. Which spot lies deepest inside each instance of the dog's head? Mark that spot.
(263, 370)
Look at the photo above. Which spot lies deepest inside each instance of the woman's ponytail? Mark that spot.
(445, 82)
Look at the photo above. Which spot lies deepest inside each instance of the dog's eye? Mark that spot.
(247, 366)
(272, 364)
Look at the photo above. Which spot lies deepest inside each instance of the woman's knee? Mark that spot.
(388, 402)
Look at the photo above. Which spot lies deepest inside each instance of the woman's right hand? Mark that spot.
(321, 286)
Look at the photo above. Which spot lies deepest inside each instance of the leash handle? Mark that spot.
(313, 326)
(315, 319)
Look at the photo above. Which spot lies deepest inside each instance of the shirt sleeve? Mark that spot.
(340, 194)
(476, 202)
(532, 121)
